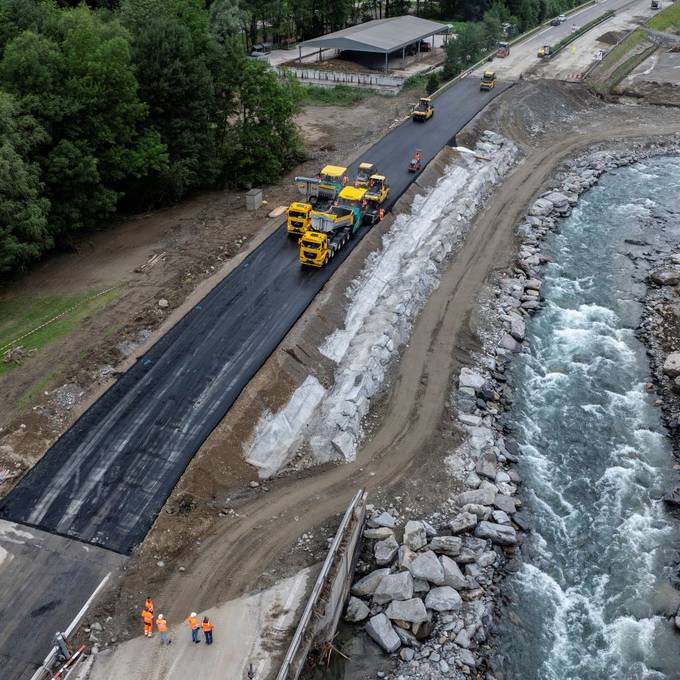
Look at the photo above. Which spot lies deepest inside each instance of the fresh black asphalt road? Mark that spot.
(107, 477)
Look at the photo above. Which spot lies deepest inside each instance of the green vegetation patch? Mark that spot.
(339, 95)
(50, 318)
(666, 18)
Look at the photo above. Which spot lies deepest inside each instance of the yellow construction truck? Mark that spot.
(364, 173)
(331, 229)
(319, 192)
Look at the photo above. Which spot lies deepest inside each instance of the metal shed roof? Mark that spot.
(381, 35)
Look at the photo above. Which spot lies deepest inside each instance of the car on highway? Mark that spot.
(558, 20)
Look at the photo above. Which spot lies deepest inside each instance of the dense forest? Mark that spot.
(120, 105)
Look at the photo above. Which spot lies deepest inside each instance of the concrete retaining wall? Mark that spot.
(325, 606)
(372, 81)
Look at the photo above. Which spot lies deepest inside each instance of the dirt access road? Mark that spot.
(405, 446)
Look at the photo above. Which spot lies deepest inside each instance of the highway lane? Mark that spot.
(108, 476)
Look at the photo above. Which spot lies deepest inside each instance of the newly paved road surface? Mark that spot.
(107, 477)
(44, 581)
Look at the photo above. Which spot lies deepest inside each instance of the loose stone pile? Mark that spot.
(426, 594)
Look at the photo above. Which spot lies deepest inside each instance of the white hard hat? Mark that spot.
(160, 616)
(194, 614)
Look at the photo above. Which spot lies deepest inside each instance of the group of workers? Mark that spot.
(162, 625)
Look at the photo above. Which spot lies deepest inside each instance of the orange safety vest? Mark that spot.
(148, 605)
(192, 621)
(207, 626)
(162, 625)
(148, 617)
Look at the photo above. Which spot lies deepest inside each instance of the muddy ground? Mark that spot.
(197, 243)
(217, 536)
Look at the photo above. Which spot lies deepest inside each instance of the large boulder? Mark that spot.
(385, 551)
(384, 519)
(378, 534)
(397, 586)
(443, 599)
(411, 611)
(414, 535)
(470, 378)
(453, 576)
(465, 521)
(665, 277)
(380, 629)
(541, 208)
(367, 585)
(405, 556)
(671, 367)
(446, 545)
(486, 465)
(481, 496)
(356, 610)
(497, 533)
(505, 503)
(482, 511)
(426, 566)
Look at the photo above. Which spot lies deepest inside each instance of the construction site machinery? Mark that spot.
(416, 162)
(364, 173)
(319, 192)
(378, 189)
(488, 81)
(423, 110)
(503, 50)
(332, 229)
(544, 51)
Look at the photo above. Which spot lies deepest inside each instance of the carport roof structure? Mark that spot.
(381, 35)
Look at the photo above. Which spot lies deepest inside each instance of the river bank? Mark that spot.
(488, 518)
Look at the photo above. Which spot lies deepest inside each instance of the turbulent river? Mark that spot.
(590, 597)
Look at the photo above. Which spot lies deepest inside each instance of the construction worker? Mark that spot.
(162, 626)
(381, 214)
(148, 604)
(192, 620)
(147, 617)
(207, 630)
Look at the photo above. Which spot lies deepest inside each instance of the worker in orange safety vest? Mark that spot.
(192, 620)
(207, 630)
(162, 626)
(148, 604)
(147, 617)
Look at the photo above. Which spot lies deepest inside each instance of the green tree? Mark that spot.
(78, 82)
(266, 141)
(174, 54)
(432, 83)
(24, 233)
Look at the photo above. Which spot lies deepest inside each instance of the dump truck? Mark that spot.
(488, 81)
(423, 110)
(364, 173)
(319, 192)
(503, 50)
(331, 229)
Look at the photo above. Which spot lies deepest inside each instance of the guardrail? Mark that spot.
(45, 668)
(324, 607)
